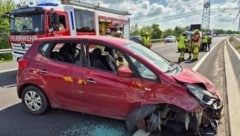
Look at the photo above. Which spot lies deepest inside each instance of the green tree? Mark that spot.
(5, 7)
(156, 32)
(146, 29)
(187, 28)
(135, 30)
(229, 32)
(167, 32)
(219, 31)
(178, 31)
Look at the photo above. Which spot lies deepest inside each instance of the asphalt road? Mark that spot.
(15, 122)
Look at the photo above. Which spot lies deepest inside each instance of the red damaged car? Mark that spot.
(119, 79)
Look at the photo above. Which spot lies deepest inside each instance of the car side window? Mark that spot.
(103, 57)
(143, 70)
(68, 52)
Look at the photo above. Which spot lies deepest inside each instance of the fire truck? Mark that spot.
(68, 17)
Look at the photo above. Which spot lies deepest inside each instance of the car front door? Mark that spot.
(107, 94)
(111, 95)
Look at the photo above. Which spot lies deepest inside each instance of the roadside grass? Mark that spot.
(238, 48)
(5, 57)
(235, 43)
(231, 39)
(2, 61)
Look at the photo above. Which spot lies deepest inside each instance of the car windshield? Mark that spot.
(170, 37)
(27, 24)
(160, 62)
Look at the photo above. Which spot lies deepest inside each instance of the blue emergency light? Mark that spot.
(53, 3)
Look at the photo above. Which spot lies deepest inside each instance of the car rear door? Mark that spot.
(57, 77)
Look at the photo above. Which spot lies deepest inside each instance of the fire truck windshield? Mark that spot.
(27, 24)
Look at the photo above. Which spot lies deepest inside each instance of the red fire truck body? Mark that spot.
(63, 19)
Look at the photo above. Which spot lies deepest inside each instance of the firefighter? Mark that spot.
(189, 47)
(209, 42)
(204, 42)
(147, 40)
(118, 34)
(61, 27)
(182, 46)
(108, 32)
(195, 44)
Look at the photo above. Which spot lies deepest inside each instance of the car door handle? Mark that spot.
(92, 81)
(43, 71)
(147, 89)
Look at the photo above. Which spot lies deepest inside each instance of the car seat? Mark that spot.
(68, 52)
(108, 60)
(95, 59)
(56, 56)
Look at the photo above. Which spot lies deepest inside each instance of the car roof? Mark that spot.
(107, 39)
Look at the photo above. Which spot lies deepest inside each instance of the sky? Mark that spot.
(172, 13)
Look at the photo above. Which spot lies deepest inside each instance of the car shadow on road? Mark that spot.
(15, 121)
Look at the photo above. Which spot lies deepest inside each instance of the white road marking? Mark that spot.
(9, 86)
(204, 57)
(8, 70)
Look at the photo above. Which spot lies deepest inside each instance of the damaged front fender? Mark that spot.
(162, 116)
(139, 114)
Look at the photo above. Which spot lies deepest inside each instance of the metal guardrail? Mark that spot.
(157, 40)
(3, 51)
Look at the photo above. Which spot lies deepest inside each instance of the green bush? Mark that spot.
(4, 37)
(231, 39)
(238, 48)
(4, 40)
(5, 57)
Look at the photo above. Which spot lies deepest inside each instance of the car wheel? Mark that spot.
(34, 100)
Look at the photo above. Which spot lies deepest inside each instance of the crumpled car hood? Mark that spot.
(192, 77)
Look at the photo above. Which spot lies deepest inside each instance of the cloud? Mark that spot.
(172, 13)
(224, 15)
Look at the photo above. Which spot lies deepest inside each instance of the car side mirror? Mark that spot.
(53, 20)
(124, 71)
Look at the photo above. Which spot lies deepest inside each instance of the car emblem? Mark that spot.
(23, 45)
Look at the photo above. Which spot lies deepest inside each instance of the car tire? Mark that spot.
(34, 100)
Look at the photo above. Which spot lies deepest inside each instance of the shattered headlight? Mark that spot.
(205, 97)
